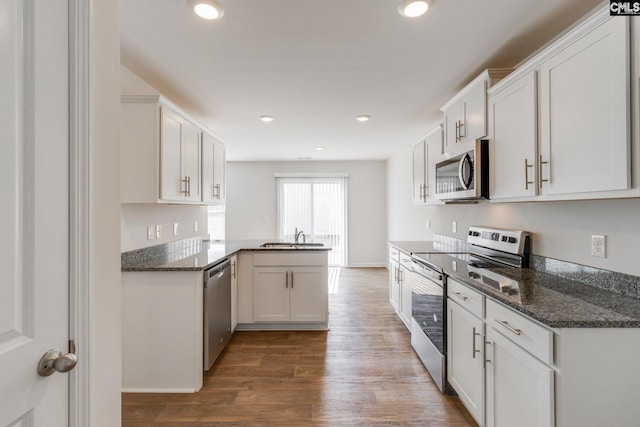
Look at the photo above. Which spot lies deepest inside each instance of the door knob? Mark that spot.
(53, 360)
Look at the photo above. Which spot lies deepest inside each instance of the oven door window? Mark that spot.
(427, 309)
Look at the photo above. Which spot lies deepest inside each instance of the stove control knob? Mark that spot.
(504, 238)
(512, 240)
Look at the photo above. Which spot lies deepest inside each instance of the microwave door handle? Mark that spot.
(461, 169)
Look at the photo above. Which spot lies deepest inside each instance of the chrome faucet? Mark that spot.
(298, 234)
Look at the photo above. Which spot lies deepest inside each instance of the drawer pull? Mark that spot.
(508, 326)
(459, 295)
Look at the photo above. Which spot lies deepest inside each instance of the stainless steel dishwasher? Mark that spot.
(217, 311)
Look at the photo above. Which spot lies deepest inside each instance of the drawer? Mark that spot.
(528, 334)
(281, 258)
(466, 297)
(405, 260)
(394, 254)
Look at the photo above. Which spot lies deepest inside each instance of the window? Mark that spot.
(216, 222)
(316, 206)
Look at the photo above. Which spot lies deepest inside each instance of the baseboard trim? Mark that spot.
(282, 327)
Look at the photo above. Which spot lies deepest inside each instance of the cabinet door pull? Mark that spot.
(526, 174)
(459, 295)
(460, 126)
(485, 353)
(508, 326)
(286, 280)
(185, 180)
(292, 280)
(474, 343)
(233, 269)
(216, 191)
(540, 163)
(457, 130)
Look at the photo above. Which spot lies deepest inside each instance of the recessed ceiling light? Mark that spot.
(319, 148)
(362, 118)
(414, 8)
(207, 9)
(266, 118)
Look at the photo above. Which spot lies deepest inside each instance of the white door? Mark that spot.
(419, 178)
(271, 294)
(173, 184)
(34, 255)
(309, 299)
(466, 358)
(519, 386)
(584, 113)
(512, 129)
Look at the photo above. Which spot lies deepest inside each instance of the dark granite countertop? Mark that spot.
(553, 300)
(196, 255)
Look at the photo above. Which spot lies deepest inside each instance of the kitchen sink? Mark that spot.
(288, 245)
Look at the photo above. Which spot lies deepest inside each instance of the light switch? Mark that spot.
(195, 226)
(158, 231)
(151, 232)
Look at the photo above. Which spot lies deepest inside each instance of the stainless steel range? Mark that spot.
(485, 248)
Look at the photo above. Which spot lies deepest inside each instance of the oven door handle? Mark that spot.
(423, 271)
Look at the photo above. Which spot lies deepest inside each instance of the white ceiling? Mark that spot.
(317, 64)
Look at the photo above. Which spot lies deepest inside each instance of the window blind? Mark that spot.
(317, 206)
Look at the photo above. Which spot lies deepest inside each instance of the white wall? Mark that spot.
(562, 230)
(104, 311)
(136, 218)
(251, 211)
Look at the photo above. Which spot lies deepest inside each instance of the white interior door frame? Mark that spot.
(80, 230)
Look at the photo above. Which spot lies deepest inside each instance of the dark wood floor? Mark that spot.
(363, 372)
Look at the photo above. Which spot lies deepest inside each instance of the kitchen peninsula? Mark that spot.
(273, 287)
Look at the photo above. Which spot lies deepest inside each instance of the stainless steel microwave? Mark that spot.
(464, 175)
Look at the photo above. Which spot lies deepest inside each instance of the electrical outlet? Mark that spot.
(175, 228)
(151, 232)
(158, 231)
(428, 224)
(454, 227)
(599, 246)
(195, 226)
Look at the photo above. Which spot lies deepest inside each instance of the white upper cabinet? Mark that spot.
(465, 115)
(425, 155)
(584, 111)
(213, 169)
(419, 157)
(164, 156)
(179, 158)
(560, 125)
(512, 136)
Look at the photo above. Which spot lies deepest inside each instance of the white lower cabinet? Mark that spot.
(234, 292)
(394, 284)
(499, 382)
(399, 284)
(519, 386)
(283, 290)
(282, 294)
(465, 363)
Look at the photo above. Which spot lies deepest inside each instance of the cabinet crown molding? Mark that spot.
(489, 74)
(584, 26)
(433, 131)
